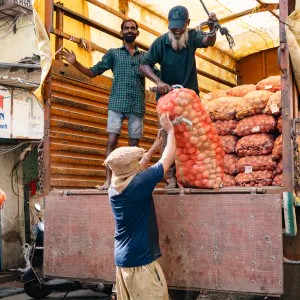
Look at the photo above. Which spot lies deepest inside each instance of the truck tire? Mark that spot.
(34, 290)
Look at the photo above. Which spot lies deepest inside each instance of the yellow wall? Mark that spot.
(142, 15)
(71, 27)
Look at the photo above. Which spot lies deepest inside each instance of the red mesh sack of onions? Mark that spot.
(225, 127)
(256, 163)
(255, 124)
(199, 153)
(278, 180)
(255, 144)
(257, 178)
(228, 181)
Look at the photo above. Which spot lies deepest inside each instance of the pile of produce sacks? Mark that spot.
(248, 119)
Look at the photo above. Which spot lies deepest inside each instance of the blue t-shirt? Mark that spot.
(136, 236)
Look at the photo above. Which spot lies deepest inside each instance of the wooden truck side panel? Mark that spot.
(213, 242)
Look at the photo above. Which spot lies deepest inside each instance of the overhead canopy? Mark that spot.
(250, 22)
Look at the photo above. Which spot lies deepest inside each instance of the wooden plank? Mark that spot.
(287, 100)
(59, 26)
(219, 243)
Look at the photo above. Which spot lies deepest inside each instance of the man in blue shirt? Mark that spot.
(139, 275)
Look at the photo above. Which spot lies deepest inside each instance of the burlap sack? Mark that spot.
(124, 163)
(271, 84)
(241, 90)
(223, 108)
(228, 181)
(274, 105)
(252, 104)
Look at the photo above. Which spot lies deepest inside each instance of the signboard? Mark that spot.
(5, 113)
(27, 116)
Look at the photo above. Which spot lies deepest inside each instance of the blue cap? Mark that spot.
(177, 17)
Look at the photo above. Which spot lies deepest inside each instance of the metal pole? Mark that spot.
(47, 102)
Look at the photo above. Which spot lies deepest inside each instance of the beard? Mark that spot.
(129, 38)
(179, 43)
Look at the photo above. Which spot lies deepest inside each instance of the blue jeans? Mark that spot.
(135, 123)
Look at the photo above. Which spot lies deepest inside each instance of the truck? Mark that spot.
(230, 240)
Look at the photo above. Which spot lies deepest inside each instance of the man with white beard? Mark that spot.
(175, 52)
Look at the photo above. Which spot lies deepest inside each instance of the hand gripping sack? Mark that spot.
(252, 104)
(256, 124)
(255, 144)
(199, 152)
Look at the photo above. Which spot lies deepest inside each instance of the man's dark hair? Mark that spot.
(123, 23)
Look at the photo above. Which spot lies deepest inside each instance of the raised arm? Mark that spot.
(70, 57)
(168, 156)
(144, 162)
(210, 40)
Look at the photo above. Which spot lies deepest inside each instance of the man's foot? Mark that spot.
(103, 187)
(172, 184)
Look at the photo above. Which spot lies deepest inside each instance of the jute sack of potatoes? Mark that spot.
(228, 181)
(256, 163)
(241, 90)
(230, 164)
(256, 124)
(229, 143)
(223, 108)
(216, 94)
(256, 178)
(255, 144)
(274, 105)
(271, 84)
(278, 180)
(225, 127)
(277, 150)
(279, 124)
(252, 104)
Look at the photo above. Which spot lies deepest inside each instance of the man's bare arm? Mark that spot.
(163, 88)
(168, 156)
(144, 162)
(70, 57)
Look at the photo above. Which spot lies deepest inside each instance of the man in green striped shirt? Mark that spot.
(127, 97)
